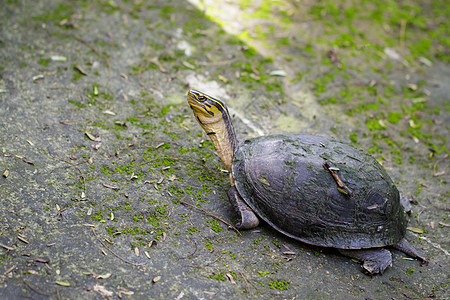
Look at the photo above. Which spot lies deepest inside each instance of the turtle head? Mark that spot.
(207, 110)
(212, 115)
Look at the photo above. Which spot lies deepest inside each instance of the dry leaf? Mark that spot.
(124, 291)
(22, 239)
(110, 186)
(223, 78)
(231, 278)
(58, 58)
(188, 65)
(416, 230)
(108, 112)
(90, 136)
(280, 73)
(79, 69)
(37, 77)
(412, 86)
(382, 123)
(102, 291)
(105, 276)
(62, 283)
(209, 293)
(264, 181)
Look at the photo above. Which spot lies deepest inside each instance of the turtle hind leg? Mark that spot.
(407, 248)
(248, 219)
(375, 260)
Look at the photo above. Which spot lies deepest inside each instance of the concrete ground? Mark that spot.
(99, 150)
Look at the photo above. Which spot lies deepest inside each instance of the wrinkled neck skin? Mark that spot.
(222, 139)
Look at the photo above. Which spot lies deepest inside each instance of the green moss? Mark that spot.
(131, 169)
(76, 76)
(209, 245)
(97, 216)
(192, 230)
(106, 171)
(213, 225)
(161, 210)
(394, 117)
(353, 137)
(263, 274)
(282, 285)
(44, 61)
(77, 104)
(62, 11)
(374, 124)
(137, 218)
(218, 276)
(153, 220)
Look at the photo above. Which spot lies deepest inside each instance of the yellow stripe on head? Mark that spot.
(202, 103)
(208, 111)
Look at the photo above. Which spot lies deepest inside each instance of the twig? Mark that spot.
(81, 174)
(96, 51)
(172, 158)
(64, 209)
(116, 255)
(246, 284)
(79, 170)
(209, 214)
(195, 250)
(10, 270)
(402, 32)
(135, 146)
(436, 163)
(210, 263)
(343, 188)
(7, 248)
(216, 63)
(430, 208)
(32, 288)
(411, 297)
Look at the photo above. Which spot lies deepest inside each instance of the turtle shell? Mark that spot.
(282, 178)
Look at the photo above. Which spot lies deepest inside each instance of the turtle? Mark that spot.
(314, 189)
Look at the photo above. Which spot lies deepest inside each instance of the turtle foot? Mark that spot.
(375, 260)
(407, 248)
(248, 219)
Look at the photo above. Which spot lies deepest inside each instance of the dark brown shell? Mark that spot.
(283, 180)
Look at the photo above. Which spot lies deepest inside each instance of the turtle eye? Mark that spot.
(201, 98)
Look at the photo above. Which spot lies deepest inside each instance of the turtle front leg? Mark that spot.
(375, 260)
(248, 219)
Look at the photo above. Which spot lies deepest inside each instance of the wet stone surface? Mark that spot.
(98, 147)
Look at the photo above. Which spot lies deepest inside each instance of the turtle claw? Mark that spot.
(375, 260)
(407, 248)
(247, 218)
